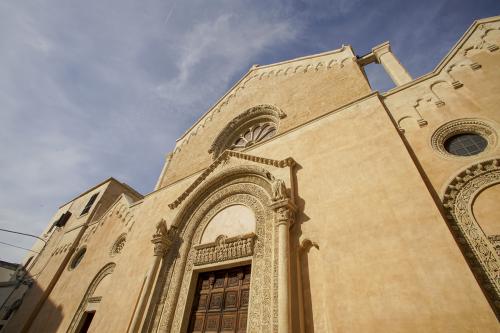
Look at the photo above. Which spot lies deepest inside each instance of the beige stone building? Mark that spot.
(302, 201)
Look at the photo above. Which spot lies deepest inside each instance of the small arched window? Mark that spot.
(77, 258)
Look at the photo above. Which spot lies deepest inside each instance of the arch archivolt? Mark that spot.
(458, 200)
(88, 297)
(244, 185)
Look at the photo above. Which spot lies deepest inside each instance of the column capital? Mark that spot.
(285, 212)
(163, 238)
(381, 49)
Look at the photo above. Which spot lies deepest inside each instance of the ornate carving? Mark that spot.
(495, 241)
(283, 215)
(457, 201)
(481, 42)
(106, 270)
(279, 190)
(327, 62)
(118, 245)
(256, 115)
(249, 190)
(224, 249)
(287, 162)
(162, 238)
(458, 126)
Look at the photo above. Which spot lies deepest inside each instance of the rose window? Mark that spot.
(254, 134)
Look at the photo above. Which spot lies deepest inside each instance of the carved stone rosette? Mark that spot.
(224, 249)
(480, 251)
(459, 126)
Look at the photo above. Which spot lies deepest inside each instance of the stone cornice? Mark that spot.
(225, 156)
(317, 62)
(461, 45)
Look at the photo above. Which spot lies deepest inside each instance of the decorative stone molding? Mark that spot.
(88, 297)
(163, 238)
(77, 258)
(481, 41)
(495, 240)
(96, 299)
(307, 244)
(459, 126)
(315, 64)
(257, 114)
(287, 162)
(118, 245)
(479, 250)
(246, 185)
(224, 249)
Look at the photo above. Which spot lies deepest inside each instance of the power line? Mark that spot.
(24, 234)
(19, 247)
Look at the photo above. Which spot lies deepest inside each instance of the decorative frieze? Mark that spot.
(224, 157)
(224, 249)
(479, 249)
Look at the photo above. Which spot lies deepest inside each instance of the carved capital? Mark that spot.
(285, 213)
(381, 49)
(163, 238)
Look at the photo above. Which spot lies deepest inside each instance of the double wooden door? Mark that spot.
(221, 301)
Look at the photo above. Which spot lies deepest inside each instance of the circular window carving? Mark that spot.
(118, 245)
(254, 134)
(463, 138)
(252, 126)
(77, 258)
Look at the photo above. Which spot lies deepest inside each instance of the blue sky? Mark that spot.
(93, 89)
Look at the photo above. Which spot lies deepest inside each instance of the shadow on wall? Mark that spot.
(305, 248)
(17, 307)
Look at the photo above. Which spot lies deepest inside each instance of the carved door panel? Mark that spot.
(221, 301)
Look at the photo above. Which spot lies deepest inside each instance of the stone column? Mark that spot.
(392, 66)
(284, 219)
(162, 241)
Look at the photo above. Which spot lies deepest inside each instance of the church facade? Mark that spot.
(302, 201)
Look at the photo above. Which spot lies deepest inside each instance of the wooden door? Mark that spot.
(221, 301)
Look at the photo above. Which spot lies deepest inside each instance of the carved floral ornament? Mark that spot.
(254, 125)
(248, 185)
(118, 245)
(224, 248)
(461, 126)
(163, 238)
(458, 200)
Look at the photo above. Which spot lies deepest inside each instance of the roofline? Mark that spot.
(251, 69)
(108, 180)
(8, 264)
(446, 59)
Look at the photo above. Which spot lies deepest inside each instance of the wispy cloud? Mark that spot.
(95, 89)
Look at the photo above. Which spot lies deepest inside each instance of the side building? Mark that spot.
(302, 201)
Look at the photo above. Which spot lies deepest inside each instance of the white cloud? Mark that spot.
(92, 90)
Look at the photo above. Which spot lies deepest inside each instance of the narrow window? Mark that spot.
(89, 204)
(86, 321)
(63, 219)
